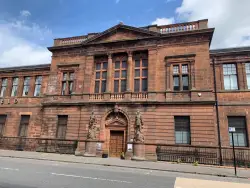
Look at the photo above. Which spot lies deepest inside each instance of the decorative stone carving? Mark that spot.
(139, 137)
(92, 127)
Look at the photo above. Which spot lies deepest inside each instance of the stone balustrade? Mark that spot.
(180, 27)
(167, 96)
(69, 41)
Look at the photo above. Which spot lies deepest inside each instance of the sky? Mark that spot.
(28, 27)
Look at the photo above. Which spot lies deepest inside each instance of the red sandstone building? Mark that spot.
(164, 72)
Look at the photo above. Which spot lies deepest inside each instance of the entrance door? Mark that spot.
(116, 143)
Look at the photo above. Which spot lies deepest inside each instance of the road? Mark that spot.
(27, 173)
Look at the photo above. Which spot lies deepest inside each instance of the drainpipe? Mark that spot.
(217, 112)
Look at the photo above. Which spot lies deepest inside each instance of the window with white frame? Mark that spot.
(247, 67)
(14, 87)
(26, 86)
(38, 85)
(3, 87)
(230, 77)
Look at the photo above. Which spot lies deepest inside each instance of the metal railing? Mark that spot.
(39, 144)
(203, 155)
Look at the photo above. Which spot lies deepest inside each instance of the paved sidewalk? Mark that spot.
(162, 166)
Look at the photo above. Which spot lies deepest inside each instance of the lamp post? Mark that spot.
(232, 130)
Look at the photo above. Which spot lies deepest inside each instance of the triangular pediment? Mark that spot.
(121, 32)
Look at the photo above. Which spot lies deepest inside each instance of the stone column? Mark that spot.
(109, 73)
(32, 86)
(129, 71)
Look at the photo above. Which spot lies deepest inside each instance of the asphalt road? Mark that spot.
(26, 173)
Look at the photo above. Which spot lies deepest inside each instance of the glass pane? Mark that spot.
(117, 64)
(25, 90)
(227, 82)
(37, 90)
(137, 85)
(137, 63)
(144, 84)
(176, 69)
(124, 74)
(248, 81)
(3, 90)
(97, 75)
(104, 75)
(103, 86)
(97, 86)
(123, 85)
(63, 88)
(234, 82)
(38, 79)
(98, 66)
(176, 83)
(26, 80)
(117, 74)
(124, 64)
(185, 83)
(116, 86)
(105, 65)
(137, 72)
(70, 87)
(15, 81)
(14, 91)
(184, 69)
(247, 67)
(144, 72)
(145, 63)
(229, 69)
(71, 76)
(65, 76)
(4, 82)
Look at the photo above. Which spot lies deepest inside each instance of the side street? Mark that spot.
(160, 166)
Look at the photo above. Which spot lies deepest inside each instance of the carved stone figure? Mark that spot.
(92, 127)
(139, 137)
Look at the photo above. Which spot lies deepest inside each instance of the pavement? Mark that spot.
(146, 165)
(31, 173)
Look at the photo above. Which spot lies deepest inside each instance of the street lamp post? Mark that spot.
(232, 130)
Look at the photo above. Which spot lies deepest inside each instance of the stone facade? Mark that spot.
(164, 47)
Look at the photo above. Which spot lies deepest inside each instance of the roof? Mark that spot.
(25, 68)
(230, 50)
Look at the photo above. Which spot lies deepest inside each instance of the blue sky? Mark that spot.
(27, 27)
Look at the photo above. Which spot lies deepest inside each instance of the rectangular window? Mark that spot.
(240, 135)
(62, 126)
(14, 87)
(120, 75)
(141, 75)
(230, 77)
(180, 77)
(3, 87)
(26, 86)
(182, 130)
(38, 85)
(247, 67)
(2, 123)
(67, 83)
(24, 123)
(100, 77)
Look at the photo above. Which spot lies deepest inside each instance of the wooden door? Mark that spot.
(116, 143)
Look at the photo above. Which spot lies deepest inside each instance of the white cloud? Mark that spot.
(19, 43)
(163, 21)
(25, 13)
(230, 18)
(117, 1)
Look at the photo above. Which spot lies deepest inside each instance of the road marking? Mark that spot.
(14, 169)
(92, 178)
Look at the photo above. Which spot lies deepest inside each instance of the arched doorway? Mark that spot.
(116, 133)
